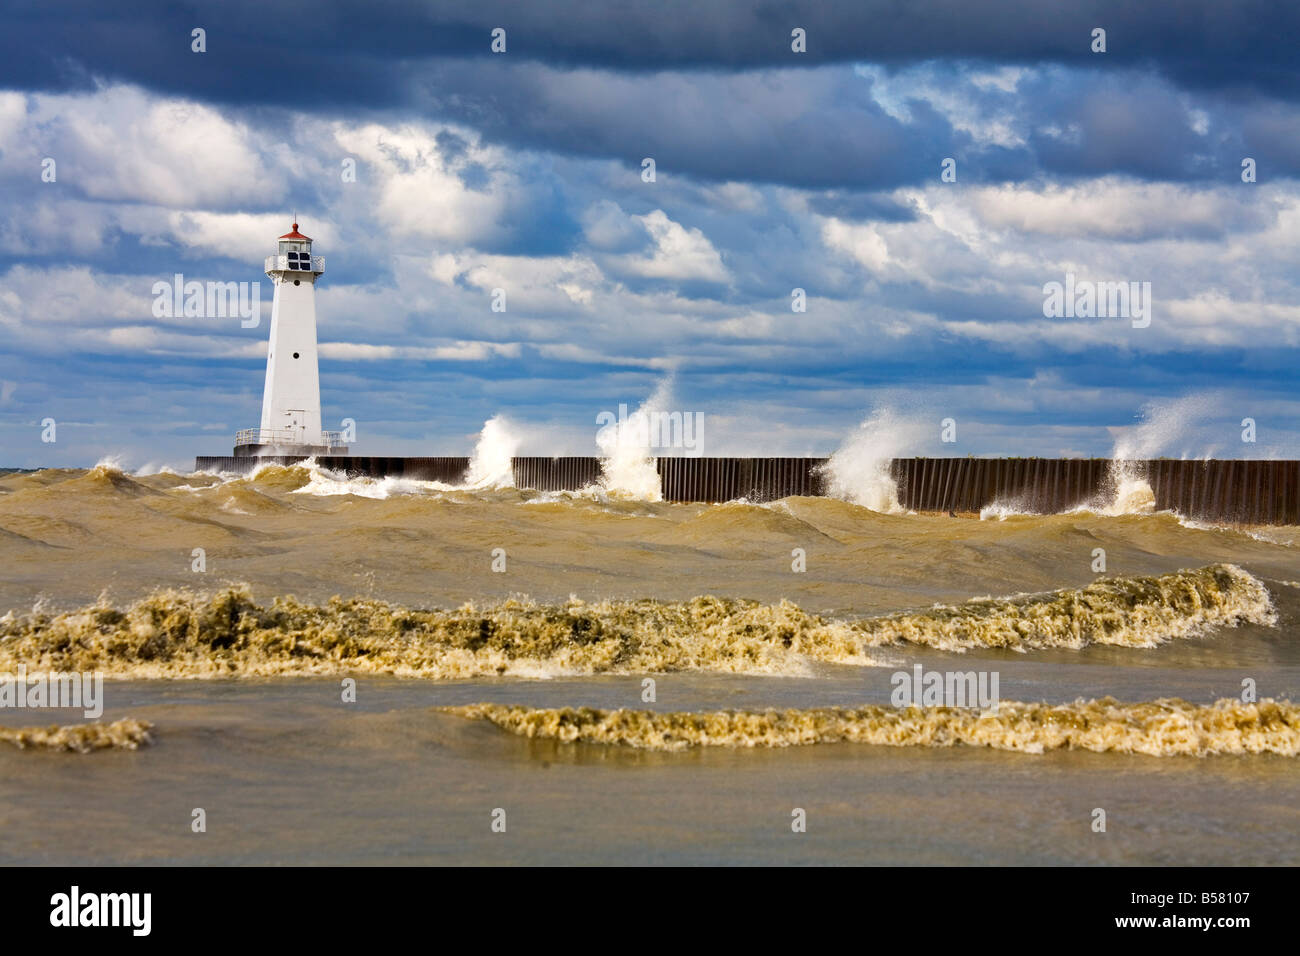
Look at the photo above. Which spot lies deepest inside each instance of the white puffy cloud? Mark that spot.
(1114, 208)
(862, 243)
(546, 284)
(422, 189)
(678, 253)
(121, 144)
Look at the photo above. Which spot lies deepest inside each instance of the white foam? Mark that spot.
(154, 468)
(112, 463)
(324, 483)
(490, 466)
(626, 468)
(1132, 494)
(999, 510)
(858, 471)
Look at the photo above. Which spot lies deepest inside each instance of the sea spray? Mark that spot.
(1125, 490)
(1164, 428)
(626, 465)
(1162, 728)
(858, 471)
(1170, 429)
(325, 483)
(1130, 492)
(111, 464)
(490, 465)
(489, 468)
(182, 634)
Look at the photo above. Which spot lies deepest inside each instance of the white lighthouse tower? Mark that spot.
(291, 419)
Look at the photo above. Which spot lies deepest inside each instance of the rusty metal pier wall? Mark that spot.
(1244, 492)
(729, 479)
(556, 474)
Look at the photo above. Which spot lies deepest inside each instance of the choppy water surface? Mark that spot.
(524, 689)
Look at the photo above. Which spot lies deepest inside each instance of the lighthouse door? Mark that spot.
(296, 422)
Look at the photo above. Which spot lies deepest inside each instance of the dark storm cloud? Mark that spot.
(816, 129)
(1271, 133)
(1129, 124)
(711, 90)
(356, 52)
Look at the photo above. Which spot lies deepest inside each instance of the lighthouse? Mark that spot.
(291, 418)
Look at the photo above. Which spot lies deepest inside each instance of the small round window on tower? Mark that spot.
(297, 282)
(295, 354)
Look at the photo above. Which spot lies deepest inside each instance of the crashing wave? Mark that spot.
(1161, 728)
(125, 734)
(184, 634)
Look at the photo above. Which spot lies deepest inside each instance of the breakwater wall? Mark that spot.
(1247, 492)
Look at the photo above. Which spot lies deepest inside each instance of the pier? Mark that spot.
(1239, 492)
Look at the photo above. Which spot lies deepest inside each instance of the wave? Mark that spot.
(185, 634)
(326, 483)
(1133, 496)
(1283, 536)
(490, 466)
(1127, 493)
(627, 467)
(1137, 611)
(858, 471)
(125, 734)
(308, 477)
(107, 478)
(1161, 728)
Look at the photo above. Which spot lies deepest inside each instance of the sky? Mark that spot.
(432, 171)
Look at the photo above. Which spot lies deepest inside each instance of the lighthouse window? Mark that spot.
(299, 260)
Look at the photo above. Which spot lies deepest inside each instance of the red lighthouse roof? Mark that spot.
(295, 234)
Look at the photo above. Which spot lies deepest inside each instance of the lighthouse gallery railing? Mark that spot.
(284, 436)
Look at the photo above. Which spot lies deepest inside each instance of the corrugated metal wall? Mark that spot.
(727, 479)
(1253, 492)
(1043, 485)
(555, 474)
